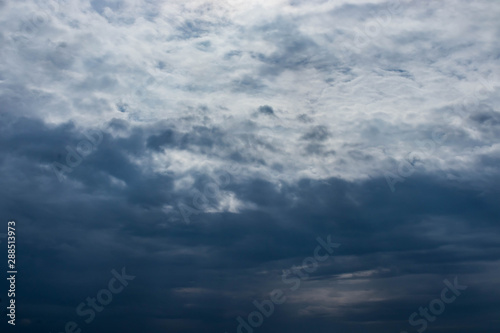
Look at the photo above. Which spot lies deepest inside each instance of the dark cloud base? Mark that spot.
(202, 275)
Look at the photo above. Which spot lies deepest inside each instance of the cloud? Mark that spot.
(274, 123)
(266, 109)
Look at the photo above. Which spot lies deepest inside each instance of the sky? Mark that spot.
(251, 166)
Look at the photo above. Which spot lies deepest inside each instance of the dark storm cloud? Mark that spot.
(431, 230)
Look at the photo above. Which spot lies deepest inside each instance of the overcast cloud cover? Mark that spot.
(206, 145)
